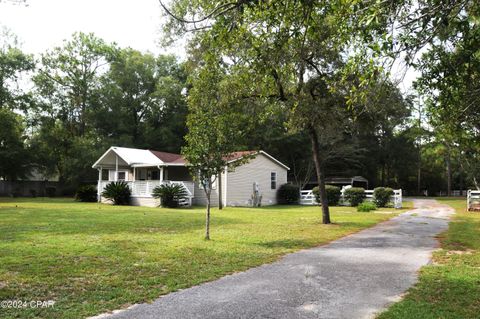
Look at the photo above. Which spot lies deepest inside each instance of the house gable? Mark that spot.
(240, 181)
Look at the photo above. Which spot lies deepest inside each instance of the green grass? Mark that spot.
(91, 258)
(450, 287)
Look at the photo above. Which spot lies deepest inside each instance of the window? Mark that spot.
(155, 175)
(273, 180)
(121, 176)
(105, 175)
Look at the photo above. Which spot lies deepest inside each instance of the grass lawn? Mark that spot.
(450, 287)
(90, 258)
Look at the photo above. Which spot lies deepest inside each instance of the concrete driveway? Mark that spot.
(353, 277)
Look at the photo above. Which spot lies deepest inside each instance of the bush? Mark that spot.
(366, 207)
(333, 194)
(382, 195)
(354, 195)
(50, 191)
(288, 194)
(87, 193)
(118, 192)
(170, 194)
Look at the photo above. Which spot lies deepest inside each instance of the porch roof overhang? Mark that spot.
(128, 157)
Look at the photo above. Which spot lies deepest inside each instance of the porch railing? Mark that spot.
(145, 188)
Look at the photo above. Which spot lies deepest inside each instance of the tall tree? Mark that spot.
(13, 64)
(143, 101)
(67, 89)
(450, 73)
(287, 53)
(68, 80)
(14, 158)
(213, 130)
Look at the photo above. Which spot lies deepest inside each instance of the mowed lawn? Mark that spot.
(450, 287)
(91, 258)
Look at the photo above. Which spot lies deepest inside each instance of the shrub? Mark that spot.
(354, 195)
(170, 194)
(87, 193)
(288, 194)
(50, 191)
(382, 195)
(366, 207)
(333, 194)
(118, 192)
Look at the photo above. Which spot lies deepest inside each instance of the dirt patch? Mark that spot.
(460, 252)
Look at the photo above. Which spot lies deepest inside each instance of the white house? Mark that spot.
(143, 170)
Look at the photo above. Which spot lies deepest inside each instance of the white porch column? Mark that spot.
(161, 174)
(116, 168)
(134, 175)
(99, 185)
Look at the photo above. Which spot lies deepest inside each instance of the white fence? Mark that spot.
(473, 200)
(308, 198)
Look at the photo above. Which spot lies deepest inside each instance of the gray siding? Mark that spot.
(201, 199)
(240, 182)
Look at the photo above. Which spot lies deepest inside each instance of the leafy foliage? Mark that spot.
(13, 65)
(288, 194)
(14, 158)
(382, 196)
(366, 207)
(118, 192)
(86, 193)
(213, 130)
(170, 194)
(333, 194)
(354, 195)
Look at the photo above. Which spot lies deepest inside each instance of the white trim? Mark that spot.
(226, 187)
(275, 180)
(101, 157)
(116, 167)
(273, 159)
(161, 174)
(114, 149)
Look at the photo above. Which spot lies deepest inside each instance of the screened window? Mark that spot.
(273, 180)
(121, 176)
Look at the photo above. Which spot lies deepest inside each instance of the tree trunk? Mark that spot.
(320, 175)
(419, 172)
(383, 175)
(220, 194)
(207, 216)
(449, 174)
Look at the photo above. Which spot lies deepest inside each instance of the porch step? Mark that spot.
(185, 202)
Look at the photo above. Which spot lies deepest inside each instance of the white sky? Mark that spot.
(44, 24)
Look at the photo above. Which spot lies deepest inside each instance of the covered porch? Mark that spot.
(142, 172)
